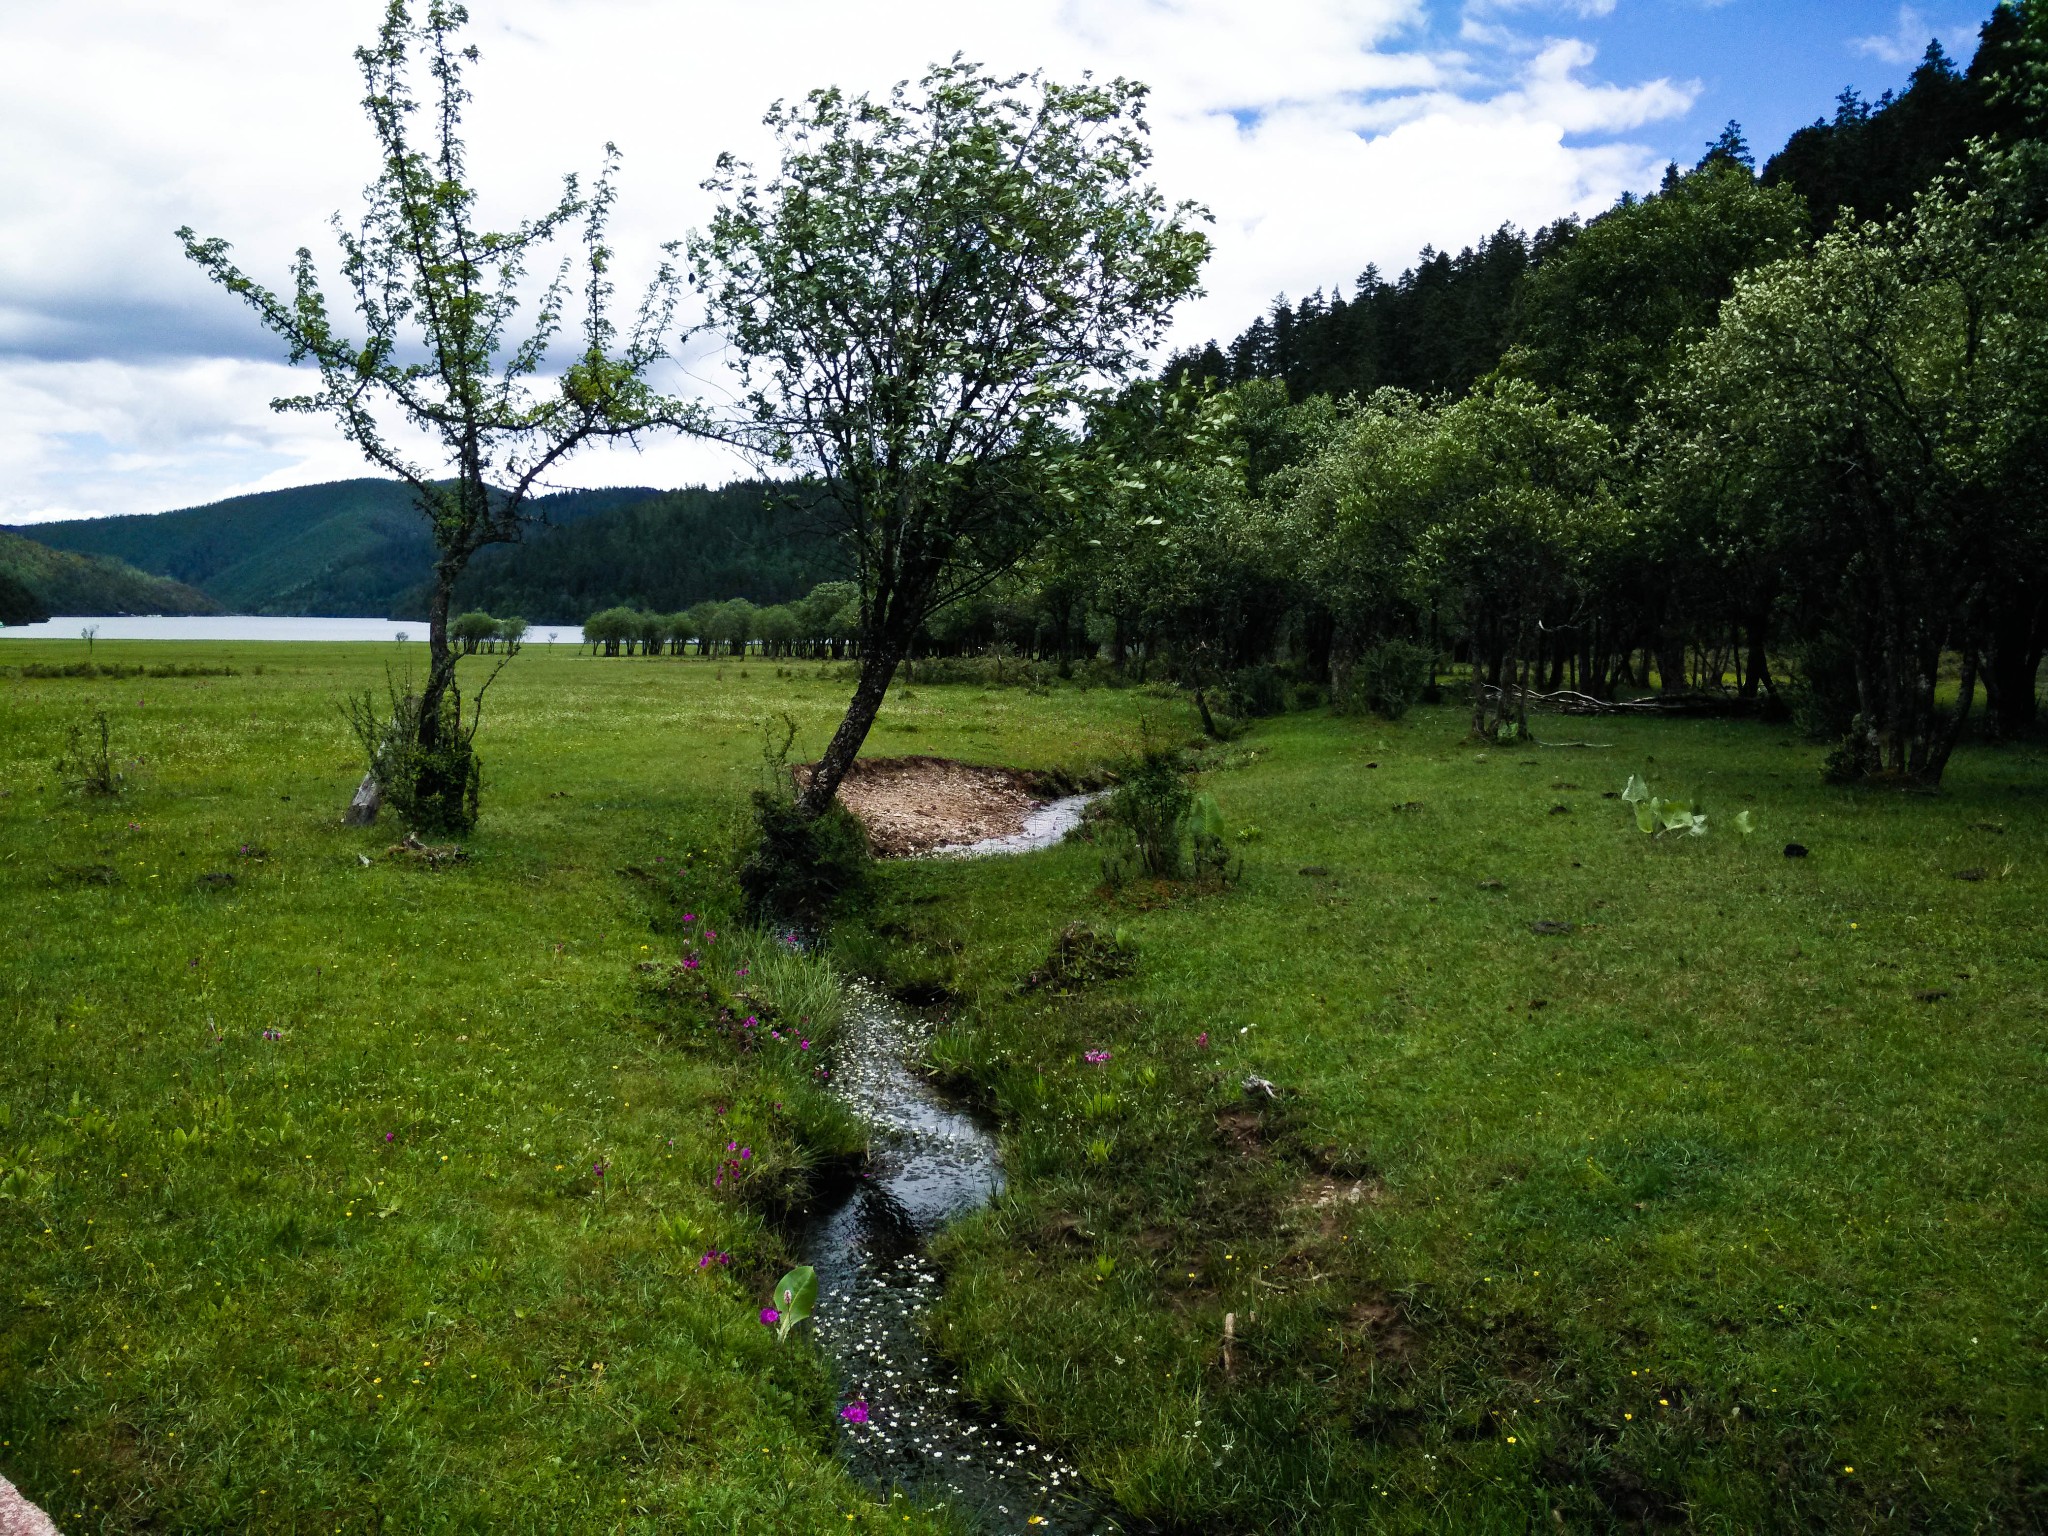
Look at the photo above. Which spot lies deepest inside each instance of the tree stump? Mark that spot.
(368, 801)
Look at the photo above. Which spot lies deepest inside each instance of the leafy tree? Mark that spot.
(777, 629)
(830, 614)
(703, 618)
(1880, 410)
(732, 625)
(436, 296)
(472, 631)
(611, 628)
(1520, 488)
(920, 297)
(1602, 320)
(512, 632)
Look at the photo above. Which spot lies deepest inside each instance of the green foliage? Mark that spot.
(86, 765)
(1390, 677)
(1257, 692)
(759, 539)
(1603, 320)
(1147, 813)
(920, 298)
(433, 780)
(796, 1297)
(47, 580)
(1657, 816)
(472, 631)
(18, 605)
(794, 867)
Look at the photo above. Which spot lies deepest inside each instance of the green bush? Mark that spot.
(1256, 692)
(1390, 677)
(1148, 814)
(87, 765)
(432, 790)
(794, 868)
(798, 868)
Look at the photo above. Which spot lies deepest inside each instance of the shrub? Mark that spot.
(1822, 696)
(1256, 692)
(1390, 677)
(792, 867)
(432, 790)
(87, 764)
(1148, 812)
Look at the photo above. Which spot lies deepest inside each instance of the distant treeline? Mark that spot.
(1446, 322)
(761, 540)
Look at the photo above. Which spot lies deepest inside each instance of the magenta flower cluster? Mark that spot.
(855, 1412)
(714, 1256)
(770, 1317)
(733, 1166)
(1095, 1058)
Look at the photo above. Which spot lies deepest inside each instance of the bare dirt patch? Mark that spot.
(913, 805)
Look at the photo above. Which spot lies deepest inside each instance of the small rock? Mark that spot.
(1795, 850)
(1255, 1085)
(1493, 885)
(1560, 810)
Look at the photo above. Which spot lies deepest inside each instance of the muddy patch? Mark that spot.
(914, 806)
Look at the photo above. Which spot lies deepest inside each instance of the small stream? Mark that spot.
(929, 1163)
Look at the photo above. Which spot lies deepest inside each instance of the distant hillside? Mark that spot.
(350, 548)
(756, 539)
(90, 585)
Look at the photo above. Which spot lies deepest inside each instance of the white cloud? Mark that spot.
(1325, 134)
(1908, 40)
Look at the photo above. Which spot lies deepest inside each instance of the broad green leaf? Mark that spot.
(1745, 823)
(1637, 791)
(1206, 819)
(796, 1295)
(1646, 819)
(1675, 814)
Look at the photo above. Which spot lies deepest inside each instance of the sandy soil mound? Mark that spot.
(911, 805)
(18, 1517)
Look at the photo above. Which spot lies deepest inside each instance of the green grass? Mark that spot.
(1730, 1213)
(365, 1276)
(1674, 1220)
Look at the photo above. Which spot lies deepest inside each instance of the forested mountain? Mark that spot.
(347, 548)
(1448, 320)
(756, 539)
(87, 585)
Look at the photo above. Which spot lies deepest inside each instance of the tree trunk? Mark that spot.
(877, 669)
(1966, 693)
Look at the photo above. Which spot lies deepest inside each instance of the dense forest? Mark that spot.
(37, 582)
(753, 539)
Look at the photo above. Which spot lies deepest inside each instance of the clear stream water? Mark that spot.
(930, 1162)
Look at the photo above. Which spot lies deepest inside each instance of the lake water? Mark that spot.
(250, 626)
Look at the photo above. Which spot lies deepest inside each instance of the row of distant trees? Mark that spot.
(478, 631)
(823, 625)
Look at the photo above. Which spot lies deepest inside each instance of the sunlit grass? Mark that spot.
(338, 1195)
(1733, 1211)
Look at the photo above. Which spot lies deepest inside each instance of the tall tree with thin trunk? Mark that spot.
(923, 296)
(436, 297)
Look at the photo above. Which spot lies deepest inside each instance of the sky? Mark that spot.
(1323, 136)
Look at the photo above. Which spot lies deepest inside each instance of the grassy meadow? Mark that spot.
(342, 1194)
